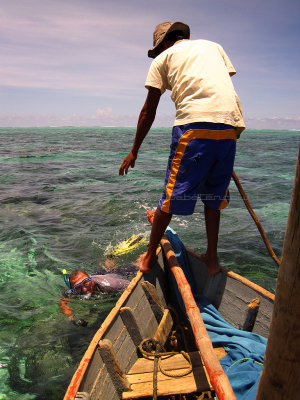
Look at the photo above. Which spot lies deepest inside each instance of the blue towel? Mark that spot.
(245, 350)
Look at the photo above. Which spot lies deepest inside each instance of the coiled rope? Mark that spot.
(152, 349)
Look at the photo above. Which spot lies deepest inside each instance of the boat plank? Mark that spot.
(122, 343)
(143, 313)
(164, 327)
(158, 278)
(142, 384)
(99, 381)
(95, 369)
(148, 376)
(220, 351)
(230, 293)
(143, 365)
(104, 385)
(234, 304)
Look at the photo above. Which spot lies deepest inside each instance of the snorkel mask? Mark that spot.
(86, 282)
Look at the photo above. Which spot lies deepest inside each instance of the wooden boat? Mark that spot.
(113, 368)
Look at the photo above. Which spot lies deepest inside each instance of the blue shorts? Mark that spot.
(200, 165)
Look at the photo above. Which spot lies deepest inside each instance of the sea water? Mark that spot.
(63, 205)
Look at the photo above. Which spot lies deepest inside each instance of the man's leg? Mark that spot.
(160, 222)
(212, 221)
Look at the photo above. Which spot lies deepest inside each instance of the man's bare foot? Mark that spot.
(213, 264)
(150, 216)
(146, 262)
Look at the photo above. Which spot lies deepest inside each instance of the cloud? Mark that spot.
(106, 117)
(278, 123)
(105, 112)
(68, 46)
(74, 56)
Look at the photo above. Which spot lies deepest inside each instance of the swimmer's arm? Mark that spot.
(65, 309)
(68, 311)
(145, 121)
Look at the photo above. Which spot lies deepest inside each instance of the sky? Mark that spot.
(84, 62)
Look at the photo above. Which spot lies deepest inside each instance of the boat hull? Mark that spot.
(228, 292)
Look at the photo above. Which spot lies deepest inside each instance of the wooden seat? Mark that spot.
(140, 377)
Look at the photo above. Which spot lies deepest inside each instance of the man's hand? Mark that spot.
(129, 161)
(80, 322)
(145, 121)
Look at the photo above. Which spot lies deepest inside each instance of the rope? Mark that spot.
(179, 326)
(157, 351)
(206, 395)
(155, 371)
(255, 218)
(242, 360)
(179, 375)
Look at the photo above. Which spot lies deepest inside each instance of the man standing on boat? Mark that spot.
(207, 124)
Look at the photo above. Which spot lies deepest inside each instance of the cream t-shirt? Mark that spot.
(197, 73)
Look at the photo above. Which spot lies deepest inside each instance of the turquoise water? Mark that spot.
(63, 205)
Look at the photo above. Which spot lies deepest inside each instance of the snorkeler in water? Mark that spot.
(83, 286)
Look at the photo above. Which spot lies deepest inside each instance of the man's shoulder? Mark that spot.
(202, 47)
(204, 43)
(185, 47)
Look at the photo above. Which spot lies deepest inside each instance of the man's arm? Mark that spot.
(65, 309)
(146, 118)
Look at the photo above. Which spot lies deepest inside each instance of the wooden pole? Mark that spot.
(280, 377)
(218, 378)
(255, 218)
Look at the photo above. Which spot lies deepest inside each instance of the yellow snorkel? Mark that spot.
(66, 278)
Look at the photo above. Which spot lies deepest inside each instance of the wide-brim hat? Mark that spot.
(162, 30)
